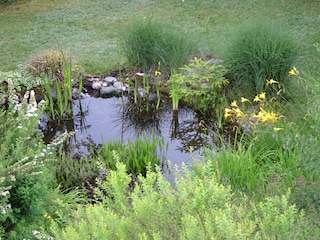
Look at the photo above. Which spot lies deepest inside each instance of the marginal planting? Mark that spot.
(148, 41)
(200, 84)
(260, 50)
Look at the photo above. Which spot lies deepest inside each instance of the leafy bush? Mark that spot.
(147, 42)
(262, 49)
(197, 207)
(200, 84)
(27, 187)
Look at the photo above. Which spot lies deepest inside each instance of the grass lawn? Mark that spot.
(89, 30)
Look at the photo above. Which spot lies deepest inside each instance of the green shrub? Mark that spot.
(200, 85)
(147, 42)
(262, 49)
(27, 187)
(23, 178)
(196, 207)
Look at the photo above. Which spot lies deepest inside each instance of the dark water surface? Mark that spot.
(115, 118)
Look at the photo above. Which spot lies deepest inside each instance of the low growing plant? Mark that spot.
(196, 207)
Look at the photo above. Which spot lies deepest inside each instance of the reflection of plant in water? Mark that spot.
(192, 132)
(137, 119)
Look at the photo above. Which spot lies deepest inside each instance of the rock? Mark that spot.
(110, 79)
(153, 97)
(93, 79)
(96, 85)
(119, 86)
(107, 90)
(141, 91)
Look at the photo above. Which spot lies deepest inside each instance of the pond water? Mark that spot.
(115, 118)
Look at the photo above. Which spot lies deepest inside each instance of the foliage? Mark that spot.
(24, 180)
(147, 42)
(261, 49)
(60, 103)
(200, 84)
(137, 155)
(20, 79)
(48, 64)
(197, 207)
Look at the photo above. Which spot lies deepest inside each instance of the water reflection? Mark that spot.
(100, 120)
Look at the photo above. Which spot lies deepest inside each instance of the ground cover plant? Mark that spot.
(252, 176)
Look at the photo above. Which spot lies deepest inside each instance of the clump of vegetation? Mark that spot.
(138, 155)
(48, 64)
(262, 49)
(197, 207)
(26, 183)
(200, 84)
(147, 42)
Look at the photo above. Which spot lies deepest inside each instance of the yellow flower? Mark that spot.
(244, 100)
(276, 129)
(271, 81)
(294, 72)
(228, 113)
(256, 98)
(262, 96)
(157, 73)
(202, 122)
(234, 104)
(239, 113)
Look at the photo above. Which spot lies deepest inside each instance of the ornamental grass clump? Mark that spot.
(261, 49)
(148, 41)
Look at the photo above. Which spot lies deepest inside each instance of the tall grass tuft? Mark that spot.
(261, 49)
(147, 42)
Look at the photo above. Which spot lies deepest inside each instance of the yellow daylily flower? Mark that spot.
(157, 73)
(271, 81)
(256, 98)
(239, 113)
(294, 71)
(262, 96)
(228, 113)
(244, 100)
(234, 104)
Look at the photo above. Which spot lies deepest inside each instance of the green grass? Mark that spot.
(88, 30)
